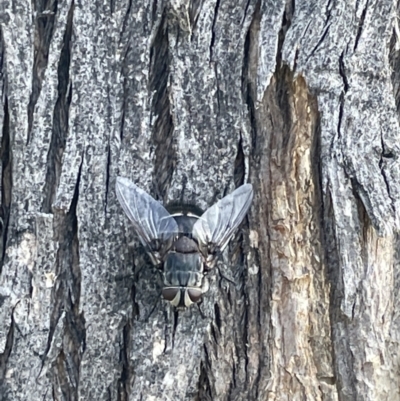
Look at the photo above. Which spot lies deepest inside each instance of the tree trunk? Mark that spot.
(190, 99)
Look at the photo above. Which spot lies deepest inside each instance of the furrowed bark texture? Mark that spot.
(190, 99)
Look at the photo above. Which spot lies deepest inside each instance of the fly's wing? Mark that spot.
(215, 227)
(155, 227)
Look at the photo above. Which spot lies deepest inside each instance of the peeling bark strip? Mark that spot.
(190, 99)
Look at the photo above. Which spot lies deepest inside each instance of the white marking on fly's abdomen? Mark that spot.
(176, 300)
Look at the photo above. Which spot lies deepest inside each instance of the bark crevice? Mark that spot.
(342, 73)
(250, 58)
(204, 385)
(212, 41)
(124, 381)
(162, 124)
(60, 119)
(360, 25)
(45, 11)
(394, 63)
(6, 354)
(66, 297)
(6, 181)
(386, 154)
(195, 8)
(239, 168)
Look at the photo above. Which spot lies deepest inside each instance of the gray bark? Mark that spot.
(190, 99)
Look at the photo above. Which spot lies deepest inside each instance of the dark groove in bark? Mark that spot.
(328, 9)
(361, 195)
(6, 181)
(326, 240)
(214, 334)
(217, 314)
(46, 11)
(364, 224)
(394, 61)
(174, 327)
(66, 296)
(342, 73)
(30, 275)
(319, 190)
(205, 392)
(194, 12)
(334, 273)
(60, 119)
(287, 18)
(107, 183)
(62, 379)
(65, 224)
(125, 44)
(4, 358)
(360, 26)
(249, 96)
(163, 128)
(213, 30)
(2, 72)
(231, 388)
(153, 10)
(327, 25)
(122, 125)
(386, 154)
(239, 169)
(123, 382)
(284, 92)
(248, 88)
(135, 305)
(322, 38)
(125, 24)
(218, 93)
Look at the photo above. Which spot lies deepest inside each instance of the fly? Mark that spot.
(186, 246)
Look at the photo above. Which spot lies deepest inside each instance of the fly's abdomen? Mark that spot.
(183, 278)
(183, 269)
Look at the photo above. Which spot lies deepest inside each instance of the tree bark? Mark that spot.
(190, 99)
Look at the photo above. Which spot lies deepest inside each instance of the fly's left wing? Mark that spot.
(155, 227)
(215, 227)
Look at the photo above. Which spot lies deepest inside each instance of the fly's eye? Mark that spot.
(172, 294)
(194, 294)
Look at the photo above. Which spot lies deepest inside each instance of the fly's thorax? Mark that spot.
(185, 245)
(185, 218)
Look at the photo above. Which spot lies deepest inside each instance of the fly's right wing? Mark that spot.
(215, 227)
(155, 227)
